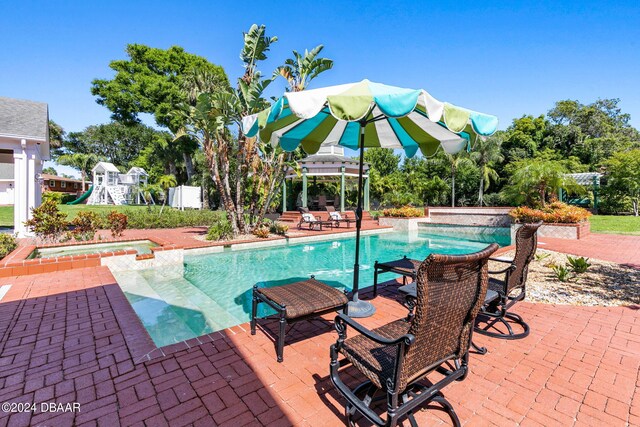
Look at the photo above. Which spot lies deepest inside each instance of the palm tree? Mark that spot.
(486, 153)
(81, 161)
(165, 182)
(455, 161)
(539, 179)
(300, 70)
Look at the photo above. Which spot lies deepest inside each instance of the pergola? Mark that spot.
(329, 163)
(587, 180)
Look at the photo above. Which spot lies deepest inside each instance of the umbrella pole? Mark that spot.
(357, 307)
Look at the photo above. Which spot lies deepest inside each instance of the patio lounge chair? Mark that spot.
(311, 221)
(396, 358)
(337, 218)
(512, 288)
(295, 302)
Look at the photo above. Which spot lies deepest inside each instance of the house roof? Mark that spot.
(105, 166)
(24, 119)
(48, 177)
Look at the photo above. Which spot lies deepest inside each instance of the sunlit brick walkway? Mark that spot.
(71, 336)
(609, 247)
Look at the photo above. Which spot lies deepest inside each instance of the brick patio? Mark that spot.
(72, 336)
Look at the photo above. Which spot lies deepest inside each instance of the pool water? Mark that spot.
(213, 292)
(141, 246)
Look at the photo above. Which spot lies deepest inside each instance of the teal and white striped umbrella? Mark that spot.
(392, 117)
(362, 115)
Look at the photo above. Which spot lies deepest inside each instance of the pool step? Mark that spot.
(178, 291)
(164, 324)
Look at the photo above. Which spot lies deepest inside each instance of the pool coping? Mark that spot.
(17, 262)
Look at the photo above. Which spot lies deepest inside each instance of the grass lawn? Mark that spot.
(6, 212)
(614, 224)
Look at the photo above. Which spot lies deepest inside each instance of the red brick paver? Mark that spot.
(72, 337)
(617, 248)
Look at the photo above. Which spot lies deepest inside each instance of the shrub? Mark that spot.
(555, 212)
(578, 265)
(561, 272)
(52, 195)
(279, 228)
(117, 223)
(66, 198)
(86, 223)
(220, 230)
(171, 218)
(403, 212)
(7, 244)
(47, 221)
(261, 232)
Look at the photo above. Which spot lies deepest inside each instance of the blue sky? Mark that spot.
(505, 58)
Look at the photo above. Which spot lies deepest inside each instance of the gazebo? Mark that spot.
(328, 164)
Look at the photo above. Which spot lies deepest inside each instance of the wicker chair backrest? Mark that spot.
(526, 245)
(450, 292)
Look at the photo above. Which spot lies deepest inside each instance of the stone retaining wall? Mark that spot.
(494, 217)
(559, 231)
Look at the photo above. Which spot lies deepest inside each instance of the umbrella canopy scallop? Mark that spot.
(393, 117)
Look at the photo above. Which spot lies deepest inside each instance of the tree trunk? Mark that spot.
(188, 164)
(84, 176)
(636, 208)
(172, 168)
(453, 186)
(481, 192)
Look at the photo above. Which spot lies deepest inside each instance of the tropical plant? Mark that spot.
(83, 162)
(56, 196)
(117, 223)
(542, 256)
(578, 265)
(553, 213)
(561, 272)
(403, 212)
(279, 228)
(8, 243)
(47, 222)
(486, 153)
(220, 230)
(534, 181)
(261, 231)
(300, 70)
(86, 224)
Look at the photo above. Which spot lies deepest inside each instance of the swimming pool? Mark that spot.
(213, 292)
(140, 246)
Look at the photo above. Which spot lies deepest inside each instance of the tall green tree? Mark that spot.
(83, 162)
(152, 81)
(487, 153)
(623, 170)
(383, 160)
(56, 135)
(115, 142)
(232, 158)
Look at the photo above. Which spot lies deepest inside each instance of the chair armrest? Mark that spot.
(343, 320)
(511, 266)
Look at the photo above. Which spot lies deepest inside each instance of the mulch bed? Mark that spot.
(603, 284)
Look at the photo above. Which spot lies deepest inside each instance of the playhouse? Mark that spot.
(110, 187)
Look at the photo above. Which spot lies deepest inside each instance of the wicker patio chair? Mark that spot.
(337, 218)
(512, 288)
(295, 302)
(396, 358)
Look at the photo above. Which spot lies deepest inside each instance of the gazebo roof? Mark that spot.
(329, 161)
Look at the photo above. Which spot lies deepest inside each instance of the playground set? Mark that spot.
(110, 187)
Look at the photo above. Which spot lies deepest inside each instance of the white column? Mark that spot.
(20, 190)
(31, 180)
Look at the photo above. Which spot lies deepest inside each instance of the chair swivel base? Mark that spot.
(511, 335)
